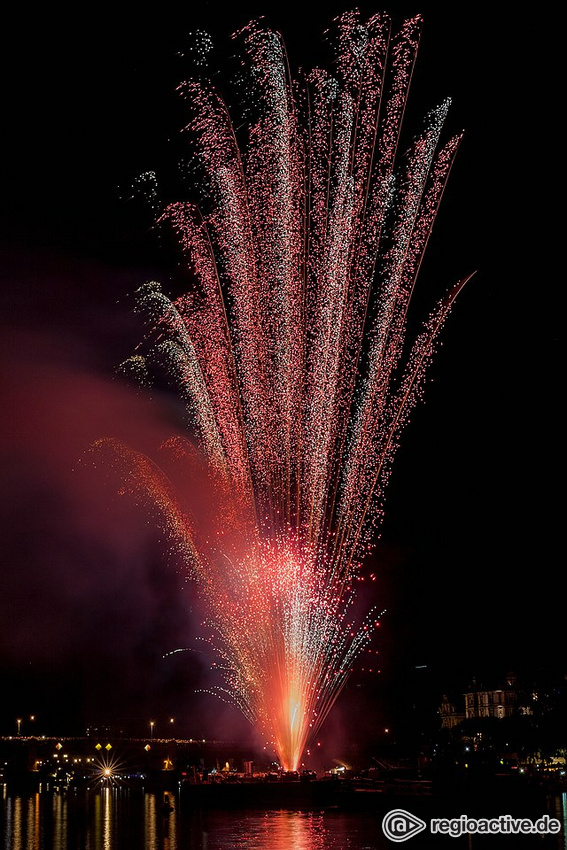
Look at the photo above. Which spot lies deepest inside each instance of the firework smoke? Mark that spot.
(289, 353)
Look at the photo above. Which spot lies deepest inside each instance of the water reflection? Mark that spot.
(59, 822)
(560, 812)
(114, 819)
(106, 819)
(33, 823)
(282, 830)
(111, 819)
(150, 822)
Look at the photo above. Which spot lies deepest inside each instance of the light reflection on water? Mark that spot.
(291, 829)
(111, 819)
(560, 812)
(127, 819)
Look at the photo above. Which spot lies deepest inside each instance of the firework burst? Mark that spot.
(289, 351)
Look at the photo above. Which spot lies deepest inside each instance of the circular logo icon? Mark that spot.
(399, 825)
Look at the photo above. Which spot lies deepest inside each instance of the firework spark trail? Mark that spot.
(289, 354)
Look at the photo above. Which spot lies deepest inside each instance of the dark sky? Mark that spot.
(469, 561)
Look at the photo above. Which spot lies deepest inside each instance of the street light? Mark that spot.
(152, 724)
(19, 722)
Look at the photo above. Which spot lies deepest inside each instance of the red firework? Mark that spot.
(289, 353)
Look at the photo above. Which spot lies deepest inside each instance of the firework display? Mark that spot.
(289, 351)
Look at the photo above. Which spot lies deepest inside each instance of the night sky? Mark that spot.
(468, 564)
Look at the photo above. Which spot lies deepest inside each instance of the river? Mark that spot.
(133, 819)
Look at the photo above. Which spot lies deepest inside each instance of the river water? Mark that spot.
(132, 819)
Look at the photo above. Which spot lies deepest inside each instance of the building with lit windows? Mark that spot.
(496, 703)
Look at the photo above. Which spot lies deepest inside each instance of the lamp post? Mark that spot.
(152, 724)
(19, 722)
